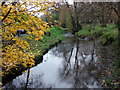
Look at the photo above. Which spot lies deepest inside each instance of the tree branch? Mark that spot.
(6, 15)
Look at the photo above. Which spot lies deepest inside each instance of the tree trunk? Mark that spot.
(103, 24)
(28, 74)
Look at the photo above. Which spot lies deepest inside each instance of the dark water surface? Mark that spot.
(71, 64)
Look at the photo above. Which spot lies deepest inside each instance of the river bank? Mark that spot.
(73, 63)
(108, 51)
(99, 59)
(110, 58)
(55, 37)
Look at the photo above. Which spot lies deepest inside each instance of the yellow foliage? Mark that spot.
(15, 50)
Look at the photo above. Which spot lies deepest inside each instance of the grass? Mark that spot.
(39, 47)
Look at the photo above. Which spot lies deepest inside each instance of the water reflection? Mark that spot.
(81, 67)
(71, 64)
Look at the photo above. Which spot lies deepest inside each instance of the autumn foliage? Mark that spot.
(16, 16)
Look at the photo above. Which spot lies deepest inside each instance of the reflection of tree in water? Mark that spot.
(82, 73)
(64, 48)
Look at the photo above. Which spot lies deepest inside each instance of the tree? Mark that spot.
(73, 11)
(17, 16)
(76, 11)
(64, 17)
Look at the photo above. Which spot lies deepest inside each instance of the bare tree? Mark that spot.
(73, 11)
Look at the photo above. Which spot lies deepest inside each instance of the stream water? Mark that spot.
(71, 64)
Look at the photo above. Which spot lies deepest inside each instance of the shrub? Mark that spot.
(107, 34)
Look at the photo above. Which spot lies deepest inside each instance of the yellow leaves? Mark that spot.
(19, 19)
(41, 37)
(1, 17)
(29, 32)
(22, 44)
(40, 32)
(25, 43)
(7, 20)
(16, 56)
(38, 38)
(33, 29)
(28, 60)
(4, 9)
(7, 36)
(27, 22)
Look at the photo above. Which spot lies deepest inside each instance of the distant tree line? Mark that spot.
(80, 13)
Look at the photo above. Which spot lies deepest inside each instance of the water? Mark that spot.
(62, 67)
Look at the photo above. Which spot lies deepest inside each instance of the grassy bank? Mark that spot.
(109, 51)
(38, 49)
(105, 34)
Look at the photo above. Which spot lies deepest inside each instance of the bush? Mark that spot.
(107, 34)
(85, 31)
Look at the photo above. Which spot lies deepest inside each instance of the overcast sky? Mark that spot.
(70, 1)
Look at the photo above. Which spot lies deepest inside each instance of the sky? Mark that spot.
(70, 1)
